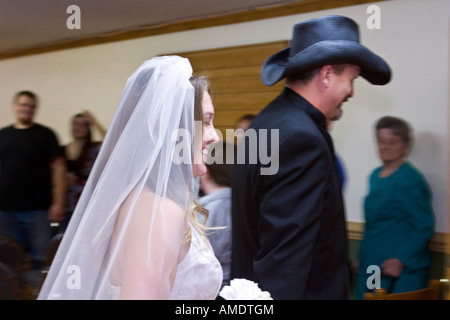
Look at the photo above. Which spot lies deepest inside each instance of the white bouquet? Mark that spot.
(243, 289)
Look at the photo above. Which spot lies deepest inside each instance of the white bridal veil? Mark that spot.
(132, 210)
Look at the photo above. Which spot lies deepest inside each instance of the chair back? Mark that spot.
(432, 292)
(52, 248)
(9, 283)
(11, 254)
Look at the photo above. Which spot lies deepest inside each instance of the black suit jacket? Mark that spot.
(289, 231)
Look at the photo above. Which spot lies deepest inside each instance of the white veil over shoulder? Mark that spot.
(133, 208)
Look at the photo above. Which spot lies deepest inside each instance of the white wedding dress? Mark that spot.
(199, 274)
(198, 277)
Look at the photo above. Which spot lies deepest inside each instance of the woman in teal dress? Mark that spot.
(399, 216)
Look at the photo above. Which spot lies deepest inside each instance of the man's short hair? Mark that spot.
(26, 93)
(247, 117)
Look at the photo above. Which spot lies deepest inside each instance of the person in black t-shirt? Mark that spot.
(32, 179)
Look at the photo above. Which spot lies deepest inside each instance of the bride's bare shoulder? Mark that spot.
(145, 200)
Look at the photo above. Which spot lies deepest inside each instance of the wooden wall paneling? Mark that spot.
(245, 101)
(236, 85)
(239, 56)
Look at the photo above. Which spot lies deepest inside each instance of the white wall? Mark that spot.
(414, 39)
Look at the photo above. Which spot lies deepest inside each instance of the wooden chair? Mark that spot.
(51, 249)
(11, 254)
(51, 252)
(33, 279)
(9, 283)
(432, 292)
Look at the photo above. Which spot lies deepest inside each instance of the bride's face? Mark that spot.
(209, 136)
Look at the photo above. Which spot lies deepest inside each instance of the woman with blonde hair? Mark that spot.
(134, 234)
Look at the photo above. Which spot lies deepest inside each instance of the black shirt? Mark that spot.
(25, 174)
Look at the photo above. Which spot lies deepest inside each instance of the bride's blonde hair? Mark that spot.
(201, 85)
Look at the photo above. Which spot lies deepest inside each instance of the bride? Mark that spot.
(134, 233)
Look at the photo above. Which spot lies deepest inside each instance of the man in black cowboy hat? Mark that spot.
(289, 232)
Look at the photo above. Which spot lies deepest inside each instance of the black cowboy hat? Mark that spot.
(324, 41)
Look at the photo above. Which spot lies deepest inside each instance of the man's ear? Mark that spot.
(325, 75)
